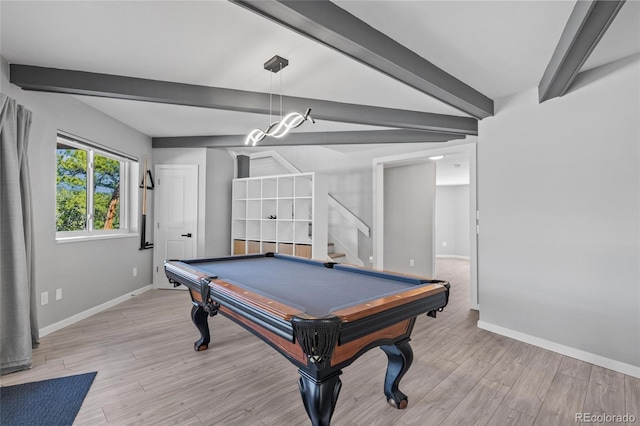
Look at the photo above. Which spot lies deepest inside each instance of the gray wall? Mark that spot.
(409, 215)
(559, 201)
(452, 220)
(220, 169)
(90, 273)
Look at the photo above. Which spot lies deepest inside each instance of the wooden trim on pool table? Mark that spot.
(349, 350)
(372, 307)
(294, 350)
(195, 296)
(340, 354)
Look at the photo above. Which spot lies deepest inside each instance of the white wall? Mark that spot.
(559, 201)
(452, 220)
(90, 273)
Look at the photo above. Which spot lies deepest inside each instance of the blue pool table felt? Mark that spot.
(308, 286)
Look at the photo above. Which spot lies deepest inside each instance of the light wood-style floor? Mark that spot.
(148, 373)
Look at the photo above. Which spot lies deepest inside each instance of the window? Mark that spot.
(91, 189)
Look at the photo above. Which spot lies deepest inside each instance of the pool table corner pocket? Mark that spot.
(318, 337)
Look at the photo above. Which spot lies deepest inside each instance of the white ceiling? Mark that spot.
(497, 47)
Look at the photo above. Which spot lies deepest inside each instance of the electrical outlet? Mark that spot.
(58, 293)
(135, 271)
(444, 244)
(412, 262)
(44, 298)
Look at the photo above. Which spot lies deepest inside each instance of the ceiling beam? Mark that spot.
(307, 138)
(327, 23)
(166, 92)
(588, 22)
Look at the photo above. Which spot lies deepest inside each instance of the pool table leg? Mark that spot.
(199, 317)
(400, 358)
(320, 397)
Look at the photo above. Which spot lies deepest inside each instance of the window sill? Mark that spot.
(93, 237)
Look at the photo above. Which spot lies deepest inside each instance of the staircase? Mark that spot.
(335, 257)
(344, 226)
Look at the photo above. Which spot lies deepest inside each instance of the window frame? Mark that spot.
(128, 167)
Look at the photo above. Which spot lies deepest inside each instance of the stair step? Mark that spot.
(336, 255)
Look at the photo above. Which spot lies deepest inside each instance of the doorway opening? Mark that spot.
(457, 257)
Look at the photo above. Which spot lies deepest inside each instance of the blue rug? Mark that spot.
(49, 402)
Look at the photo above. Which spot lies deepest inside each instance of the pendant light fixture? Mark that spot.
(290, 121)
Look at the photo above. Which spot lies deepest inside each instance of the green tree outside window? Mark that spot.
(72, 199)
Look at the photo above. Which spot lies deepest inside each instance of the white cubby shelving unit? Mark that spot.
(281, 214)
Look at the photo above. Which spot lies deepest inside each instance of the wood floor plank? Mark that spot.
(493, 348)
(478, 406)
(505, 416)
(41, 372)
(605, 393)
(575, 368)
(99, 396)
(563, 401)
(467, 346)
(632, 397)
(438, 403)
(528, 392)
(362, 399)
(169, 415)
(462, 323)
(510, 366)
(90, 417)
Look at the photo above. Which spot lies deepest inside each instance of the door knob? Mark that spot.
(186, 235)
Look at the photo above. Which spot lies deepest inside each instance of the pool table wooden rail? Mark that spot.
(286, 312)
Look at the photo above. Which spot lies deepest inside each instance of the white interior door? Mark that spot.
(176, 217)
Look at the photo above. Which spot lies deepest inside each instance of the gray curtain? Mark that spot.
(18, 319)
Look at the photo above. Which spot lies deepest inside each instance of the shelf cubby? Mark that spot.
(285, 186)
(269, 247)
(269, 208)
(303, 232)
(254, 189)
(253, 229)
(285, 230)
(269, 230)
(269, 188)
(285, 209)
(302, 250)
(254, 209)
(303, 208)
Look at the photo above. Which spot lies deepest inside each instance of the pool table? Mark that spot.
(320, 315)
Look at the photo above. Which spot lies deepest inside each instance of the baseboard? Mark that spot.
(451, 256)
(92, 311)
(611, 364)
